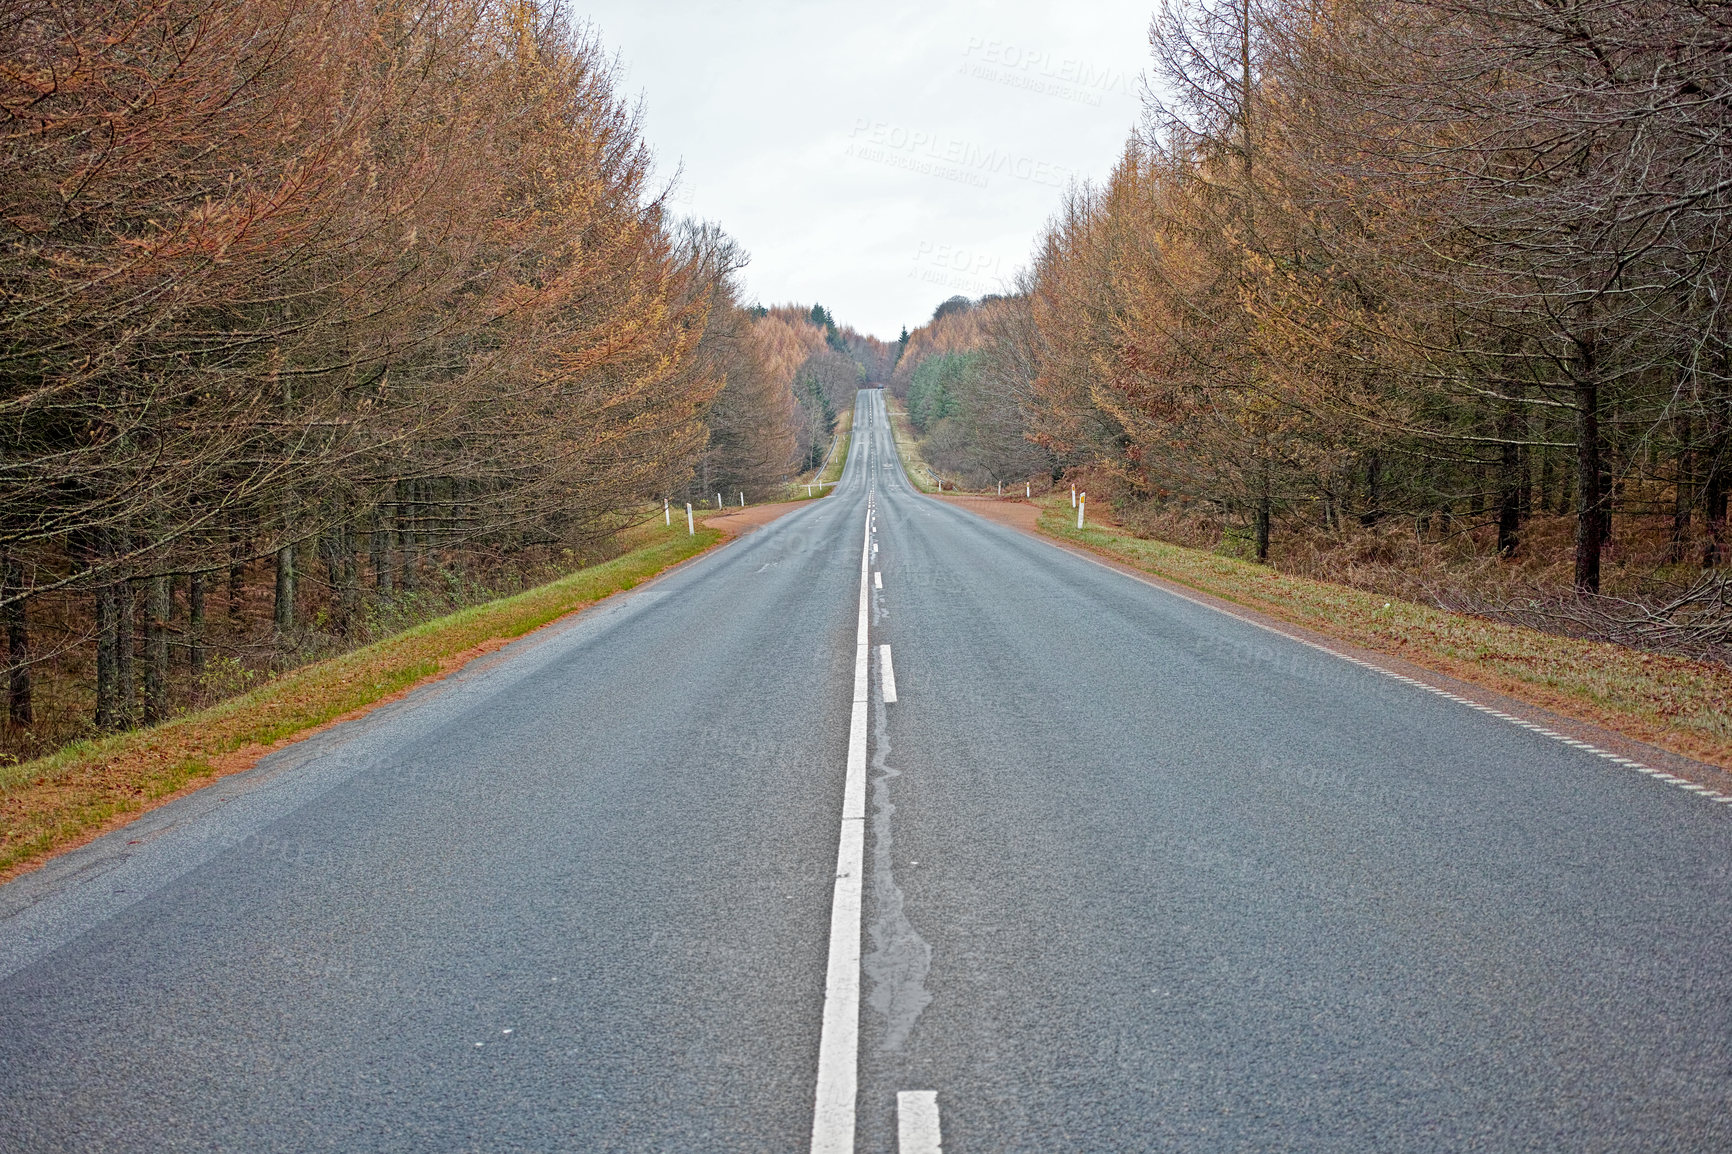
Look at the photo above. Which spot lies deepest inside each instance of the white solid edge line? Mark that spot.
(1658, 775)
(889, 674)
(839, 1041)
(917, 1129)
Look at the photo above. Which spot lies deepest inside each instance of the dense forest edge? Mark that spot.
(322, 320)
(1425, 298)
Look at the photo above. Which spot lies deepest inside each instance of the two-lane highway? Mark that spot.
(1113, 871)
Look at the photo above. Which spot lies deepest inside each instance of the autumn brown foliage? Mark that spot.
(349, 291)
(1455, 269)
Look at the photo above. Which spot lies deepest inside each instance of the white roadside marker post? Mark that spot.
(1028, 489)
(742, 499)
(667, 513)
(718, 500)
(690, 528)
(1001, 488)
(1073, 496)
(1081, 503)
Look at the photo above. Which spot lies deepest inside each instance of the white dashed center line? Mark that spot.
(917, 1122)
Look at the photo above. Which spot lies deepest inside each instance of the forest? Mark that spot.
(321, 317)
(1423, 295)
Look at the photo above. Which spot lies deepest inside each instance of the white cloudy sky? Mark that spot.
(878, 158)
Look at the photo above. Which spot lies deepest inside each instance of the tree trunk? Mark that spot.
(1509, 507)
(283, 615)
(379, 545)
(1509, 485)
(1714, 511)
(237, 583)
(156, 610)
(1611, 495)
(1542, 497)
(349, 595)
(1263, 519)
(339, 558)
(1590, 514)
(1683, 493)
(125, 688)
(407, 511)
(20, 697)
(1714, 476)
(1373, 489)
(195, 623)
(1524, 484)
(107, 638)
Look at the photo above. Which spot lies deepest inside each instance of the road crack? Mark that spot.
(900, 957)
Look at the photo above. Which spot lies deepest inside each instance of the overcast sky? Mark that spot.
(878, 158)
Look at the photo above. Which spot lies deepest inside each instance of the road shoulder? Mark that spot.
(1600, 726)
(739, 522)
(58, 803)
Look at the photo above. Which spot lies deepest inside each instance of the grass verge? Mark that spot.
(1671, 702)
(89, 787)
(838, 460)
(907, 448)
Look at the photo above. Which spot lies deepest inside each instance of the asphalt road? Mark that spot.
(1137, 876)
